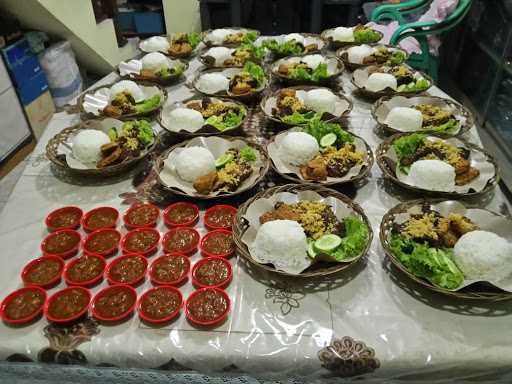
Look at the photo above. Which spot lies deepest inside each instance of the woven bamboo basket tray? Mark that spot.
(129, 116)
(389, 92)
(209, 131)
(389, 172)
(246, 97)
(287, 80)
(478, 291)
(333, 44)
(326, 116)
(159, 165)
(112, 170)
(365, 170)
(324, 44)
(203, 58)
(319, 269)
(209, 44)
(156, 80)
(470, 121)
(173, 56)
(343, 55)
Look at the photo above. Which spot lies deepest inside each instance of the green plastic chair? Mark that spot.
(424, 61)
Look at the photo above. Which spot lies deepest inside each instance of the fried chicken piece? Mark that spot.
(283, 212)
(241, 88)
(461, 224)
(196, 106)
(461, 166)
(311, 47)
(107, 149)
(114, 157)
(314, 170)
(180, 49)
(205, 184)
(112, 111)
(466, 177)
(283, 69)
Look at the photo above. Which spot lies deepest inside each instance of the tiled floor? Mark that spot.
(8, 182)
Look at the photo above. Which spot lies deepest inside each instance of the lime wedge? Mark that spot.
(327, 243)
(328, 140)
(223, 160)
(311, 250)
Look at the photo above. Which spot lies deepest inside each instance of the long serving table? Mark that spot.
(393, 328)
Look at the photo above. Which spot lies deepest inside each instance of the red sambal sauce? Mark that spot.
(102, 241)
(140, 241)
(44, 271)
(24, 304)
(219, 243)
(212, 272)
(181, 214)
(68, 304)
(207, 305)
(181, 240)
(114, 302)
(127, 269)
(142, 215)
(61, 242)
(160, 303)
(220, 217)
(86, 268)
(103, 218)
(65, 219)
(170, 268)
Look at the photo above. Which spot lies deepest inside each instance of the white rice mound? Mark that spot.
(357, 54)
(220, 54)
(321, 100)
(155, 61)
(404, 119)
(379, 81)
(157, 43)
(281, 243)
(87, 144)
(313, 61)
(294, 36)
(185, 119)
(217, 36)
(343, 34)
(128, 86)
(297, 148)
(193, 162)
(433, 175)
(212, 83)
(483, 255)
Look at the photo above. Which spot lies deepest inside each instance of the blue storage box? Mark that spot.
(15, 54)
(25, 71)
(125, 21)
(149, 22)
(33, 89)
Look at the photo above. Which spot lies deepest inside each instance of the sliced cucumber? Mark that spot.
(328, 140)
(327, 243)
(311, 250)
(401, 88)
(223, 160)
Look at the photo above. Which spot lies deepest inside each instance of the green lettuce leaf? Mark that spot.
(229, 120)
(174, 71)
(451, 126)
(354, 241)
(287, 48)
(301, 118)
(148, 105)
(248, 154)
(433, 264)
(407, 145)
(419, 85)
(319, 73)
(255, 71)
(257, 52)
(366, 35)
(318, 129)
(194, 39)
(145, 132)
(397, 58)
(250, 37)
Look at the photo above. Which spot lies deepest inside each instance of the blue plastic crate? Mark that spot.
(125, 21)
(148, 22)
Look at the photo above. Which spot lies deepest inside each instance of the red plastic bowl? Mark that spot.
(135, 226)
(213, 322)
(87, 216)
(105, 253)
(77, 315)
(223, 284)
(176, 282)
(66, 254)
(209, 211)
(187, 251)
(150, 250)
(134, 282)
(190, 223)
(86, 283)
(54, 281)
(26, 319)
(105, 291)
(147, 318)
(205, 253)
(53, 214)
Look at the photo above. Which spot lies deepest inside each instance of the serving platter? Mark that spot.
(334, 68)
(211, 62)
(209, 43)
(171, 182)
(342, 53)
(292, 173)
(489, 177)
(131, 70)
(309, 38)
(244, 225)
(144, 48)
(488, 220)
(335, 44)
(343, 105)
(384, 105)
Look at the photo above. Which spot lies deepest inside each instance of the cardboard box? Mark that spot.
(39, 113)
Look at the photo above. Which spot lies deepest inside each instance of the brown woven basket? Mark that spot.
(306, 88)
(389, 92)
(365, 170)
(470, 121)
(240, 225)
(156, 80)
(202, 57)
(210, 44)
(276, 56)
(113, 170)
(288, 80)
(473, 292)
(87, 116)
(159, 165)
(208, 131)
(247, 97)
(343, 55)
(390, 174)
(340, 44)
(167, 53)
